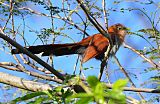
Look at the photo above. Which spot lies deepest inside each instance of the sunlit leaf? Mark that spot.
(119, 84)
(28, 96)
(92, 81)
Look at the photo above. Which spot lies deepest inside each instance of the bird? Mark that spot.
(90, 47)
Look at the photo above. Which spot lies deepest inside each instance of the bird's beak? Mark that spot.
(127, 29)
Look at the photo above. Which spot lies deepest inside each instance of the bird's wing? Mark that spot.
(98, 45)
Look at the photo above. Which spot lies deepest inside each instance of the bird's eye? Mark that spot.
(119, 28)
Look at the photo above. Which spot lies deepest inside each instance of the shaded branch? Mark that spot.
(93, 21)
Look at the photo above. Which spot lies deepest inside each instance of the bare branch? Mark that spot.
(22, 83)
(25, 61)
(104, 61)
(101, 30)
(137, 89)
(105, 13)
(145, 58)
(93, 21)
(82, 87)
(19, 68)
(36, 86)
(58, 17)
(126, 74)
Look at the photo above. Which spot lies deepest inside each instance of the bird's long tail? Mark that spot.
(54, 49)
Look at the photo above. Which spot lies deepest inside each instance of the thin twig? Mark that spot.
(33, 65)
(75, 66)
(100, 29)
(103, 63)
(58, 17)
(19, 68)
(105, 59)
(94, 22)
(85, 87)
(136, 89)
(145, 58)
(105, 13)
(126, 74)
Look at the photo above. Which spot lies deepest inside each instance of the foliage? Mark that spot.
(98, 92)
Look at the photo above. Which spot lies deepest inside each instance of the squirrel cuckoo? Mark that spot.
(91, 47)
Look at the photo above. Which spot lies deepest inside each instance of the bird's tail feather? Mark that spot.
(55, 49)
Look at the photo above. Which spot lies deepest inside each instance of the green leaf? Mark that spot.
(28, 97)
(152, 51)
(38, 100)
(92, 81)
(116, 95)
(119, 84)
(111, 101)
(81, 96)
(49, 93)
(67, 93)
(99, 93)
(84, 100)
(150, 31)
(58, 89)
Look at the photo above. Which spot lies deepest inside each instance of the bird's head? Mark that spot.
(118, 30)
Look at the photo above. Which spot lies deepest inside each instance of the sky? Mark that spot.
(129, 60)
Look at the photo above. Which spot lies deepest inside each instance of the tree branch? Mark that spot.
(105, 13)
(134, 89)
(93, 21)
(101, 30)
(126, 74)
(58, 17)
(19, 68)
(22, 83)
(37, 59)
(36, 86)
(145, 58)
